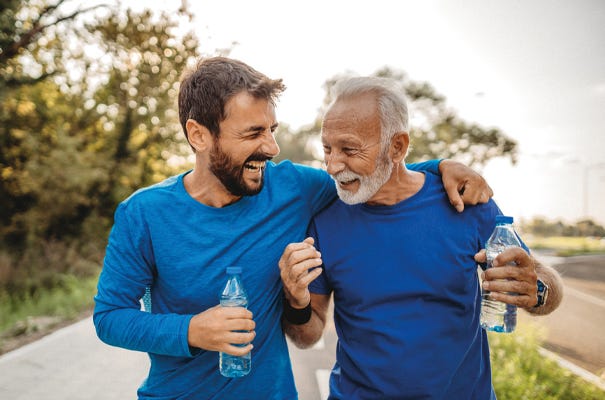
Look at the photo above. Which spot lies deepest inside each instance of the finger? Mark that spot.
(235, 312)
(471, 194)
(503, 272)
(301, 270)
(509, 286)
(310, 277)
(297, 261)
(237, 350)
(481, 256)
(246, 325)
(487, 194)
(511, 255)
(523, 301)
(453, 193)
(239, 337)
(295, 252)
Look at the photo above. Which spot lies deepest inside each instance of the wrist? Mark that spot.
(297, 316)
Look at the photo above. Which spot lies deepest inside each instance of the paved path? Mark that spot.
(71, 364)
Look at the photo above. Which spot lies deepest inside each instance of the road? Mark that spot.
(575, 329)
(73, 364)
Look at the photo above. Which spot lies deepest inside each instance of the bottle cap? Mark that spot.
(234, 270)
(504, 219)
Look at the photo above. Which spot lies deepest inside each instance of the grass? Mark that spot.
(520, 372)
(23, 315)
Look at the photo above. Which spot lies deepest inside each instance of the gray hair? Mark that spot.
(392, 104)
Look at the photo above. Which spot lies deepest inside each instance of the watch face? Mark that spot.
(542, 293)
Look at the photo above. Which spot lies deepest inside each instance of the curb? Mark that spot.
(573, 368)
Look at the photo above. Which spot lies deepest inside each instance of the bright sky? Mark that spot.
(535, 69)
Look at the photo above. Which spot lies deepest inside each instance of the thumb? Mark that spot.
(309, 240)
(480, 257)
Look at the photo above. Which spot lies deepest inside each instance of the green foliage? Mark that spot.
(73, 144)
(65, 301)
(542, 227)
(436, 131)
(565, 246)
(43, 265)
(520, 372)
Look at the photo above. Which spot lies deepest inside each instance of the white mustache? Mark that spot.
(345, 176)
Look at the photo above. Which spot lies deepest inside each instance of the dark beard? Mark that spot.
(231, 174)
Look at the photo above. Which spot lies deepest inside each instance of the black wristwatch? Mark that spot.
(542, 294)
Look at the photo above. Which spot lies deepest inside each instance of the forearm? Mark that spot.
(555, 290)
(305, 335)
(141, 331)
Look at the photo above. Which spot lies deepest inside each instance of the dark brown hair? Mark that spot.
(206, 89)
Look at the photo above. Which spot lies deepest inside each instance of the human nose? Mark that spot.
(334, 164)
(270, 146)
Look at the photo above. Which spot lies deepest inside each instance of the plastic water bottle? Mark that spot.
(495, 315)
(234, 295)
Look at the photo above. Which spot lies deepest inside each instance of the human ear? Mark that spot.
(399, 146)
(198, 135)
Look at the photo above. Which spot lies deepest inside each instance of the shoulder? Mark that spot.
(154, 194)
(288, 168)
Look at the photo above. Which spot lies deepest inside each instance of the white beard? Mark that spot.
(368, 185)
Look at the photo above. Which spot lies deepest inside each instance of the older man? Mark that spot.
(399, 263)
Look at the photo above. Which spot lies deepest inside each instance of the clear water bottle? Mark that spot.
(495, 315)
(234, 295)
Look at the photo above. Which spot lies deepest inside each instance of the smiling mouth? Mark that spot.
(347, 183)
(255, 165)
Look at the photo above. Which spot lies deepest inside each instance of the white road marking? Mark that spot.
(584, 296)
(323, 382)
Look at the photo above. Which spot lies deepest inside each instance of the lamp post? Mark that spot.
(585, 183)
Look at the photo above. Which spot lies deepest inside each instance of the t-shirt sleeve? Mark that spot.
(127, 272)
(316, 186)
(431, 166)
(320, 285)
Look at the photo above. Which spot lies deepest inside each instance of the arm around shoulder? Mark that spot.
(307, 334)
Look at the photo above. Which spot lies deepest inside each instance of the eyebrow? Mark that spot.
(254, 128)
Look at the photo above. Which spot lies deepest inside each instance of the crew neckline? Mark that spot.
(242, 202)
(389, 209)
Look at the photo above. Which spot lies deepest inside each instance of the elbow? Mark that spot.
(303, 338)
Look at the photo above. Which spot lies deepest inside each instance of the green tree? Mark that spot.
(88, 119)
(436, 130)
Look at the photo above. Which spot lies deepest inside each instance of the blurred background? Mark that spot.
(88, 114)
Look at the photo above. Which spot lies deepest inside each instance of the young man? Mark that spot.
(175, 239)
(399, 263)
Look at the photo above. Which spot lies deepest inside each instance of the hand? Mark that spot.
(296, 269)
(217, 328)
(463, 185)
(520, 279)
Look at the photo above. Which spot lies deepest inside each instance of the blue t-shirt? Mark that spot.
(406, 297)
(164, 240)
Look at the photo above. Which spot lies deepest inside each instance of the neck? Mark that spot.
(205, 187)
(401, 185)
